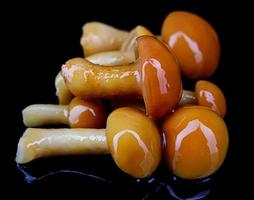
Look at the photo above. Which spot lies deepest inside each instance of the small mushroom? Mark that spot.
(210, 95)
(206, 94)
(130, 136)
(155, 75)
(194, 42)
(78, 114)
(196, 142)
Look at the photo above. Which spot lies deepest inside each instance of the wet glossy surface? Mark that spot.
(194, 42)
(196, 142)
(87, 114)
(90, 81)
(134, 142)
(129, 43)
(110, 58)
(155, 75)
(210, 95)
(160, 77)
(98, 37)
(36, 143)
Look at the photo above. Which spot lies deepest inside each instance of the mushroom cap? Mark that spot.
(134, 142)
(210, 95)
(86, 114)
(160, 78)
(196, 142)
(194, 42)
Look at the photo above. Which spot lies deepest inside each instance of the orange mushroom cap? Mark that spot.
(194, 41)
(196, 142)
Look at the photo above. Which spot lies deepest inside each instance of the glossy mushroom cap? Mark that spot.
(134, 142)
(83, 114)
(194, 41)
(196, 142)
(160, 77)
(210, 95)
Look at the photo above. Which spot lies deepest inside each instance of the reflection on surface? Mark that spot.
(191, 128)
(146, 163)
(29, 178)
(193, 45)
(180, 189)
(160, 72)
(209, 97)
(161, 185)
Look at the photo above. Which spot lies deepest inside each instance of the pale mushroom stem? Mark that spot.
(38, 115)
(188, 97)
(44, 114)
(36, 143)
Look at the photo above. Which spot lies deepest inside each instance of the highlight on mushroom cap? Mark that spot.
(210, 95)
(160, 77)
(196, 142)
(194, 42)
(134, 142)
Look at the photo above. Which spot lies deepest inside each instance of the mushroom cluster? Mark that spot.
(125, 97)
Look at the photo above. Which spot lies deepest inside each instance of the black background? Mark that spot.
(39, 37)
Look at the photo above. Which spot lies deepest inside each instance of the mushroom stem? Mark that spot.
(37, 143)
(188, 97)
(91, 81)
(78, 114)
(112, 58)
(44, 114)
(105, 58)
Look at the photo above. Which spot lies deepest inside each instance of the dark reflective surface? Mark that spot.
(90, 171)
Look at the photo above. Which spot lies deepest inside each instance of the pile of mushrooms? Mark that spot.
(140, 76)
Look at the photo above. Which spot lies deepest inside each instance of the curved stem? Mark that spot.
(37, 143)
(45, 114)
(90, 81)
(105, 58)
